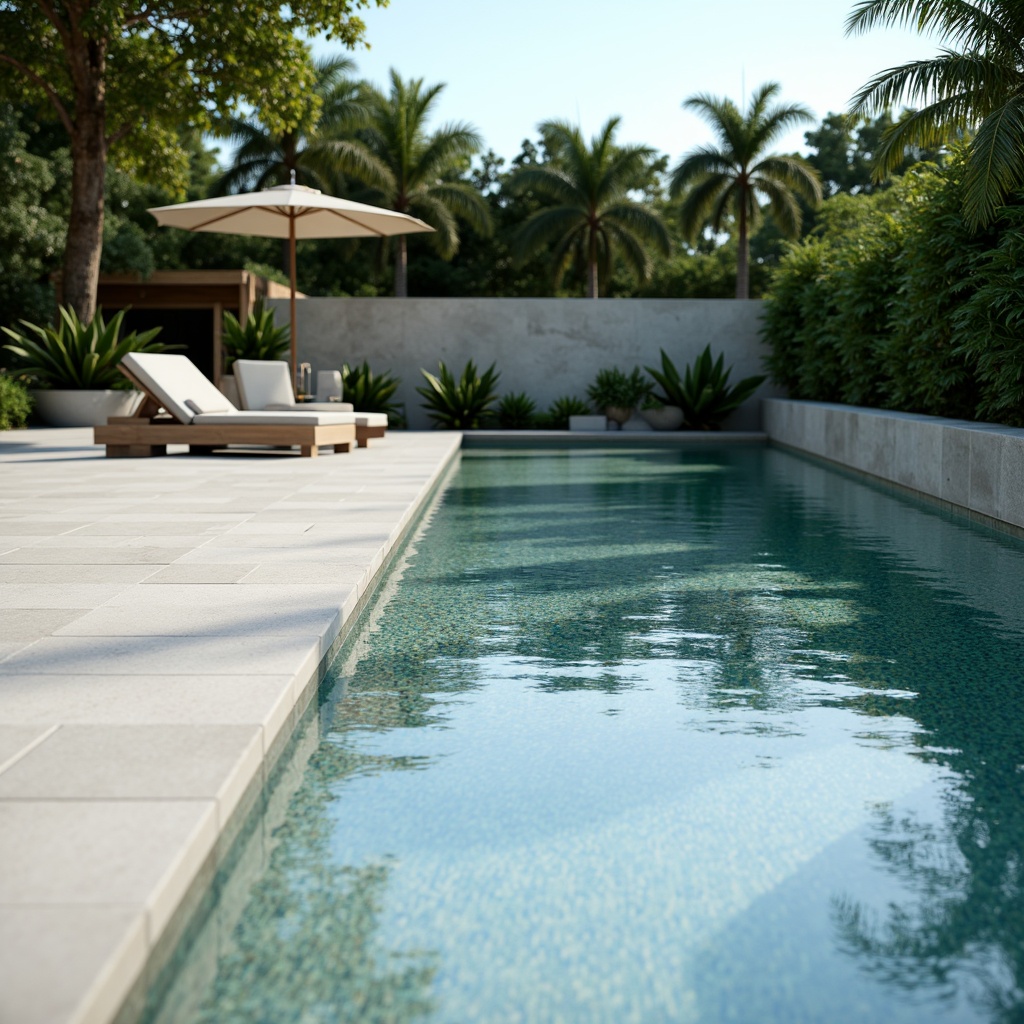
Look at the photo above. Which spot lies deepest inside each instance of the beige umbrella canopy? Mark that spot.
(292, 212)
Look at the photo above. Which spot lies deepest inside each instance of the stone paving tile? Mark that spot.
(117, 718)
(139, 762)
(54, 954)
(61, 574)
(28, 624)
(46, 595)
(122, 554)
(140, 853)
(185, 574)
(165, 655)
(14, 739)
(145, 699)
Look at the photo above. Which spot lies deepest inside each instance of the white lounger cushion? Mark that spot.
(275, 419)
(175, 380)
(311, 407)
(264, 384)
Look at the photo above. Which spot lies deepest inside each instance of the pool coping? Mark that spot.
(139, 937)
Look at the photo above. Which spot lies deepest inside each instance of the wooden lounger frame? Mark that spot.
(147, 433)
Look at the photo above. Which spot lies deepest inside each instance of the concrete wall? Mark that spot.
(545, 347)
(975, 466)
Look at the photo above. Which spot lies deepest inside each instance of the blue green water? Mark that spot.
(702, 735)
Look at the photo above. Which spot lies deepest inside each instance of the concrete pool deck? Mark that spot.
(162, 623)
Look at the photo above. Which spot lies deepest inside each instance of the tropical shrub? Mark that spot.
(703, 392)
(516, 411)
(459, 403)
(77, 355)
(615, 389)
(557, 416)
(258, 338)
(15, 403)
(899, 305)
(371, 392)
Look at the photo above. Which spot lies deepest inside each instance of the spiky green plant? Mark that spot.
(459, 403)
(703, 392)
(77, 355)
(371, 392)
(730, 179)
(557, 416)
(516, 411)
(259, 338)
(15, 403)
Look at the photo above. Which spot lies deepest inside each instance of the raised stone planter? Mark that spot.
(59, 408)
(976, 466)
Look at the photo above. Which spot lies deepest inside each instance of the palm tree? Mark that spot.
(313, 155)
(732, 178)
(594, 215)
(419, 171)
(976, 84)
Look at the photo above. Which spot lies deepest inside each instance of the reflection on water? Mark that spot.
(692, 735)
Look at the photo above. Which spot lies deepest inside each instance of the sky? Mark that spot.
(510, 66)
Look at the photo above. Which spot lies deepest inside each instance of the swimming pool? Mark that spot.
(688, 735)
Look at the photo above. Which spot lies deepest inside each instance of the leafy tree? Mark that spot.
(729, 180)
(125, 76)
(31, 232)
(843, 149)
(593, 215)
(976, 84)
(420, 173)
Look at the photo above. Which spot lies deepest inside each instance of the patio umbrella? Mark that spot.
(288, 211)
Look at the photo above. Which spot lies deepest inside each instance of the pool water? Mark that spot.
(696, 735)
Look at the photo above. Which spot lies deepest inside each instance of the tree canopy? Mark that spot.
(129, 77)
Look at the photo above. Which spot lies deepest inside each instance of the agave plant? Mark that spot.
(259, 338)
(516, 411)
(459, 404)
(703, 393)
(371, 392)
(557, 416)
(79, 355)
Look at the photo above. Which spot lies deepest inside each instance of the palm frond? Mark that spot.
(700, 203)
(542, 228)
(702, 162)
(638, 221)
(995, 163)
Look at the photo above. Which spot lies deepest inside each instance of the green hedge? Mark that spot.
(895, 304)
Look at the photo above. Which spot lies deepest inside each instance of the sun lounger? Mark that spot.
(265, 385)
(183, 407)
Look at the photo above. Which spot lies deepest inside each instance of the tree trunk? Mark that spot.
(84, 245)
(743, 260)
(88, 130)
(592, 280)
(401, 268)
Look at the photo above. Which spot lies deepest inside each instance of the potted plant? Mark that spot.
(703, 392)
(617, 394)
(75, 365)
(257, 338)
(660, 416)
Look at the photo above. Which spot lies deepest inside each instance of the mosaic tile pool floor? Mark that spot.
(631, 736)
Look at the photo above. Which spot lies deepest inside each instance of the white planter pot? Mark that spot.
(668, 417)
(84, 408)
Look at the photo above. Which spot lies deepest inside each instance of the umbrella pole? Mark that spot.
(291, 255)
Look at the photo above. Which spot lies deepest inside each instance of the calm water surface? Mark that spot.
(697, 736)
